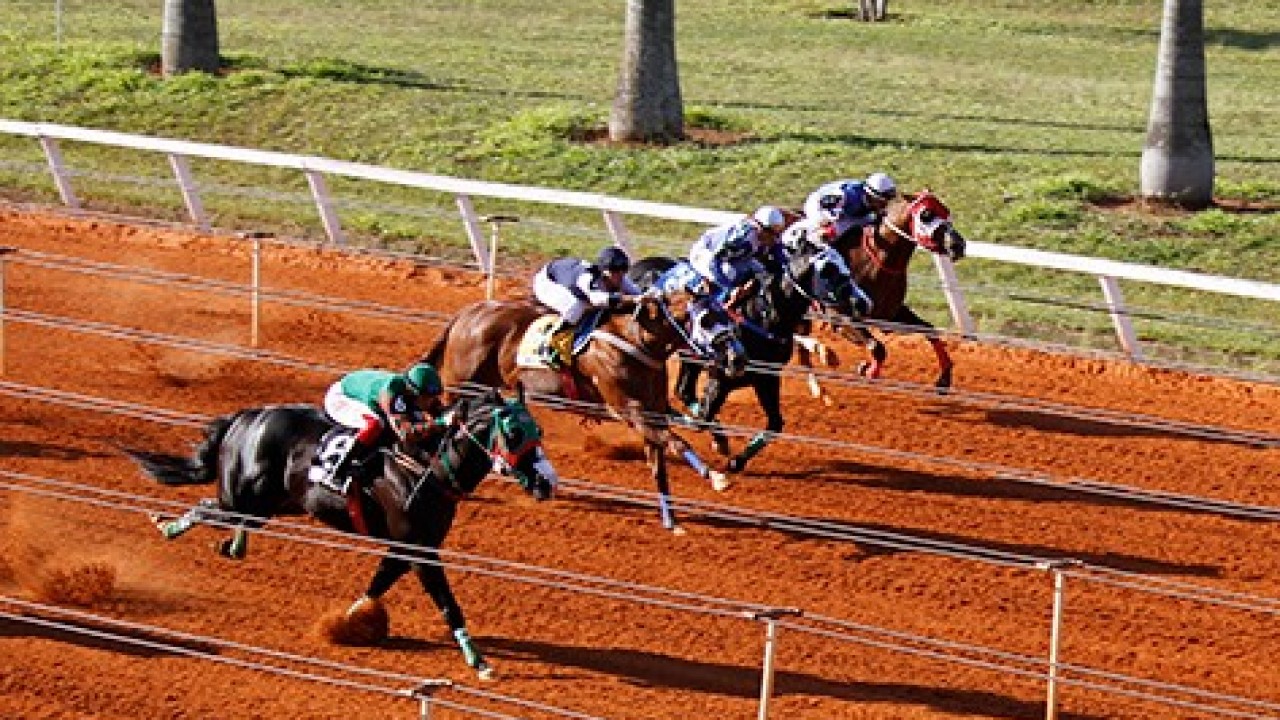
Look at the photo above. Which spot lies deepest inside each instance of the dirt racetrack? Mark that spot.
(903, 464)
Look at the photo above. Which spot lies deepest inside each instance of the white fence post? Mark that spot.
(955, 295)
(618, 231)
(1120, 316)
(1057, 567)
(255, 285)
(324, 204)
(61, 177)
(475, 235)
(424, 692)
(190, 191)
(770, 619)
(495, 221)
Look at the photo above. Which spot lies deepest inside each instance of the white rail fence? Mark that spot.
(612, 209)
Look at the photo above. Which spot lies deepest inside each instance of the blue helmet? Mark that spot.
(613, 258)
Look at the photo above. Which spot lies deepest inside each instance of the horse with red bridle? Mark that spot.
(878, 258)
(622, 367)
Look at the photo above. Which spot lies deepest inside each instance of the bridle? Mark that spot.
(637, 351)
(446, 462)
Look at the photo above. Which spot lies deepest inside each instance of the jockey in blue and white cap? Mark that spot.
(726, 256)
(838, 207)
(571, 287)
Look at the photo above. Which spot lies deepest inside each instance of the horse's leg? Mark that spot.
(658, 461)
(907, 316)
(206, 509)
(713, 401)
(436, 584)
(768, 389)
(687, 385)
(873, 368)
(807, 349)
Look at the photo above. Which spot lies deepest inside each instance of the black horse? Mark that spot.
(790, 287)
(261, 458)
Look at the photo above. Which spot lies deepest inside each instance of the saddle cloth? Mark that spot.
(530, 353)
(332, 448)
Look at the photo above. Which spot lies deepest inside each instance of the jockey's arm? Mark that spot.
(740, 293)
(407, 421)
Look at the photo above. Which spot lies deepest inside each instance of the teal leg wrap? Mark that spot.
(469, 651)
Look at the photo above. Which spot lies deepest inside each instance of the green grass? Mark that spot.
(1028, 116)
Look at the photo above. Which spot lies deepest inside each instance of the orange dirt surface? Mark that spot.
(912, 481)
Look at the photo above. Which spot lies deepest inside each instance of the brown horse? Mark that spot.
(878, 257)
(623, 368)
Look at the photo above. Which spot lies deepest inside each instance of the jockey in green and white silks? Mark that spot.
(382, 406)
(571, 287)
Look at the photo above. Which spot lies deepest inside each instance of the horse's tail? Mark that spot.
(198, 469)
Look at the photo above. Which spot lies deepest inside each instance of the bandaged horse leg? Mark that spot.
(432, 578)
(907, 316)
(807, 348)
(769, 393)
(206, 509)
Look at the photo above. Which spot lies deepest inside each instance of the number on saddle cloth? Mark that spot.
(332, 448)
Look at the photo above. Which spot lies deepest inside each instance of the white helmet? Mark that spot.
(881, 186)
(770, 218)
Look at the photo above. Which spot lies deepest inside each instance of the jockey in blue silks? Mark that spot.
(725, 267)
(728, 257)
(839, 207)
(572, 287)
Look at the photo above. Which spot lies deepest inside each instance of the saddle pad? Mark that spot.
(333, 447)
(529, 351)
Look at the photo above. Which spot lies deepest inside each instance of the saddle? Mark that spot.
(530, 353)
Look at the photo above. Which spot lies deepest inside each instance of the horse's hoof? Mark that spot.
(678, 530)
(737, 465)
(719, 481)
(162, 525)
(864, 368)
(486, 672)
(223, 547)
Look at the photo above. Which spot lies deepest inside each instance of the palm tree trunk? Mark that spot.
(1177, 160)
(189, 40)
(647, 106)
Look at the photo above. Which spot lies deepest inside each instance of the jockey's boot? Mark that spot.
(560, 344)
(347, 468)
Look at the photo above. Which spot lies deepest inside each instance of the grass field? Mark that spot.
(1028, 116)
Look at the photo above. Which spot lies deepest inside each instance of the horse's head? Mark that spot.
(703, 326)
(508, 432)
(823, 274)
(925, 220)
